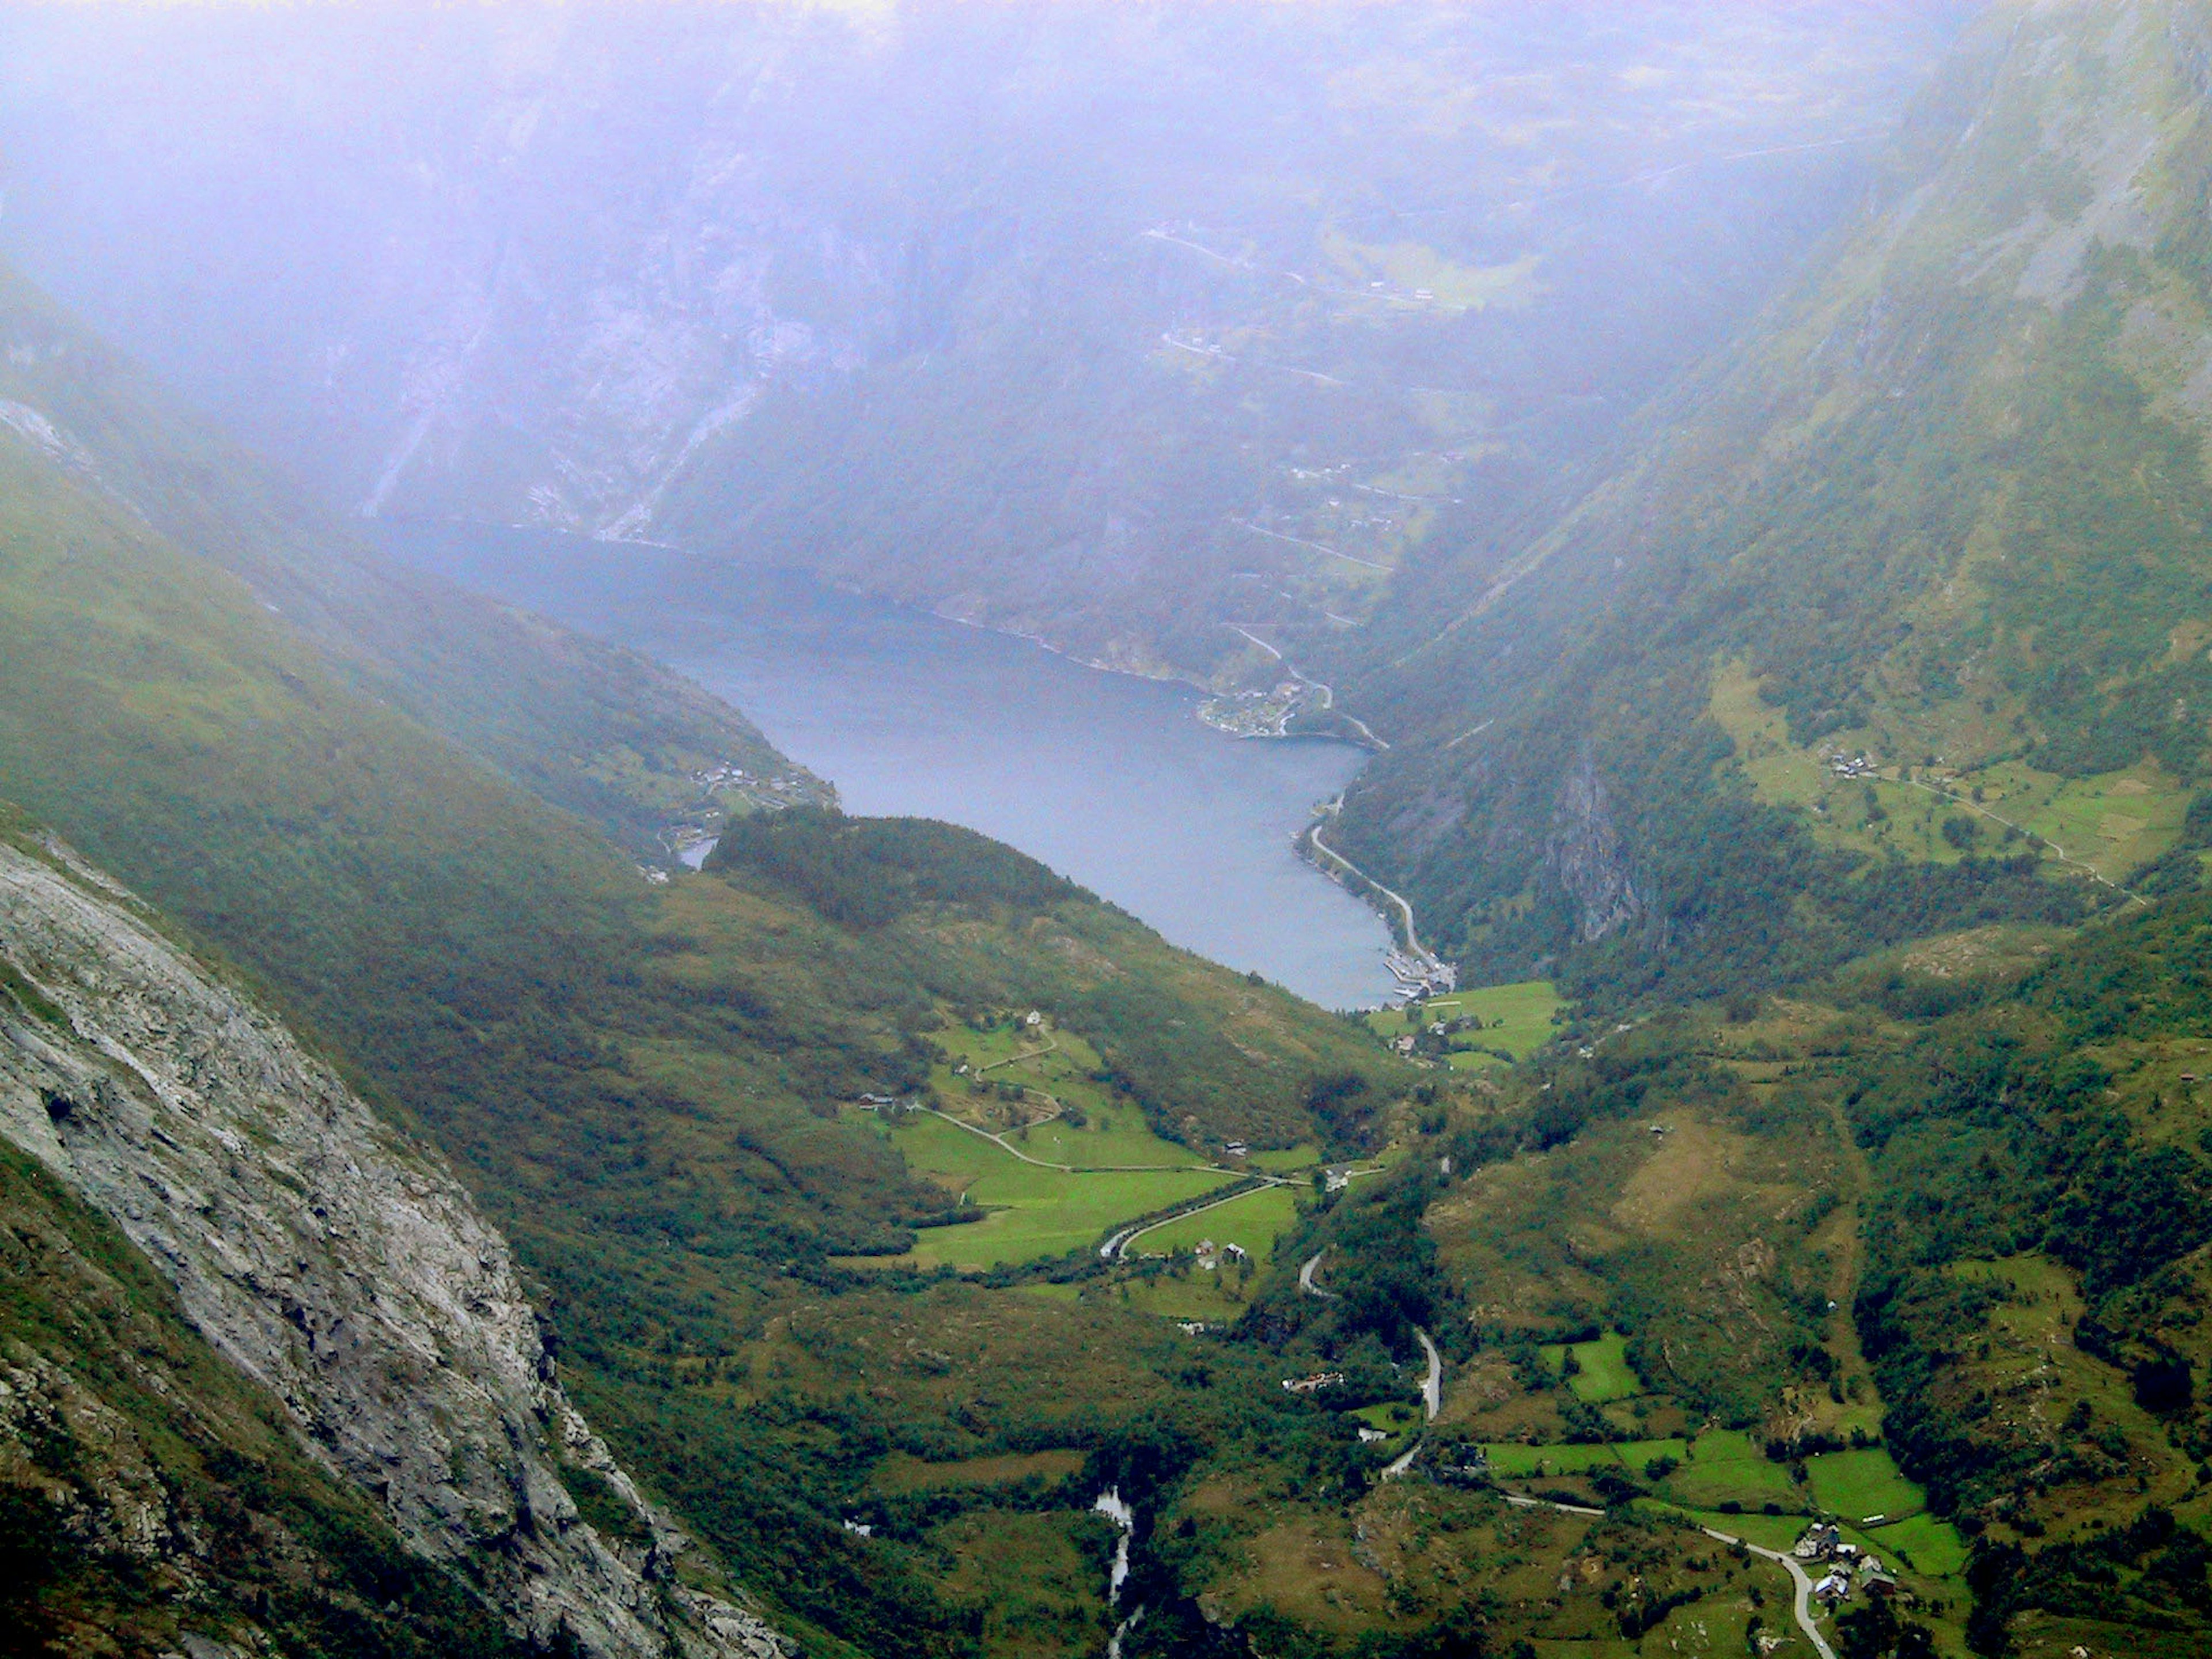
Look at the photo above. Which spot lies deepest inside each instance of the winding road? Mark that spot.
(1118, 1245)
(1306, 1273)
(1803, 1607)
(1802, 1581)
(1412, 940)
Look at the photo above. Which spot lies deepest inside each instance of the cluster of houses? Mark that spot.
(1313, 1384)
(1211, 1256)
(1848, 1568)
(1255, 714)
(1851, 766)
(761, 790)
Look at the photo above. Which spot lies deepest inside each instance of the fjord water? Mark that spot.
(1109, 778)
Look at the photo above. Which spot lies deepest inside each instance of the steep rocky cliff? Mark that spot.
(335, 1263)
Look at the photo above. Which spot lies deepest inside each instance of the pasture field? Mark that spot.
(1516, 1020)
(1394, 1417)
(1603, 1372)
(1520, 1463)
(1769, 1532)
(1517, 1461)
(1723, 1467)
(1926, 1545)
(1018, 1078)
(1035, 1212)
(1191, 1296)
(1285, 1161)
(1120, 1140)
(2112, 822)
(1857, 1484)
(1256, 1220)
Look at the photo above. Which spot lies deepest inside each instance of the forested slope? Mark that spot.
(1907, 587)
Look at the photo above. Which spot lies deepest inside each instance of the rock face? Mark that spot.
(338, 1265)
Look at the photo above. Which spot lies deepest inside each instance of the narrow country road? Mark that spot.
(1432, 1401)
(1803, 1607)
(1412, 940)
(1000, 1141)
(1119, 1244)
(1432, 1385)
(1306, 1273)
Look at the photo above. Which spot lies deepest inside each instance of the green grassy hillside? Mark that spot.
(586, 725)
(1893, 623)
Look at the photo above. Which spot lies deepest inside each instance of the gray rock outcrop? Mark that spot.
(337, 1263)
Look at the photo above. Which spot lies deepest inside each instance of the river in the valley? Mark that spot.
(1109, 778)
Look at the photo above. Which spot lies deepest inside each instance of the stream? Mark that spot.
(1109, 1504)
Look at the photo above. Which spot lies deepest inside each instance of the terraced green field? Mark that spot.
(1603, 1372)
(1722, 1467)
(1521, 1462)
(1119, 1140)
(1924, 1544)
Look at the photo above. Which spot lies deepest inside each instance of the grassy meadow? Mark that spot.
(1034, 1213)
(1516, 1019)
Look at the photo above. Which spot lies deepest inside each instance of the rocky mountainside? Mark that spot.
(1129, 329)
(1906, 589)
(332, 1261)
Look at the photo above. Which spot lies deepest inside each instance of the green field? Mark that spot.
(1858, 1483)
(1256, 1221)
(1284, 1162)
(1603, 1374)
(1017, 1075)
(1192, 1295)
(1035, 1212)
(1120, 1140)
(1394, 1417)
(1515, 1462)
(1769, 1532)
(1516, 1020)
(1723, 1466)
(1924, 1544)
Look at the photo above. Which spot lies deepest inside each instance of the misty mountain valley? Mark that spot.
(1105, 828)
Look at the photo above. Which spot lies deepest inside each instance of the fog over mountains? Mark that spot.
(1058, 317)
(495, 1161)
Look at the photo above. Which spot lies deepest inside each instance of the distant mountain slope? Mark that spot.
(1114, 325)
(1912, 578)
(588, 726)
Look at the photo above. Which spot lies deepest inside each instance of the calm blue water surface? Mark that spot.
(1109, 779)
